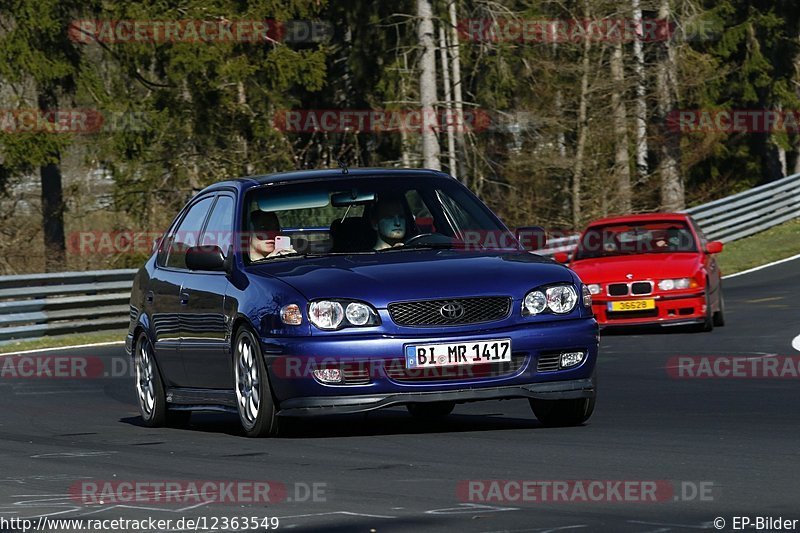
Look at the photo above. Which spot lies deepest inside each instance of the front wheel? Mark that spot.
(719, 316)
(556, 413)
(254, 401)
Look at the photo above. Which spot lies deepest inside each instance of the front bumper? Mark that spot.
(673, 310)
(556, 390)
(298, 392)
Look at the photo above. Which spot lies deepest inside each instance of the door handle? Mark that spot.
(149, 297)
(184, 298)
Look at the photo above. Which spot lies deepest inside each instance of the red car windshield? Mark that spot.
(636, 238)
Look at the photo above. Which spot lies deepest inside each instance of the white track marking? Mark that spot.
(40, 350)
(756, 269)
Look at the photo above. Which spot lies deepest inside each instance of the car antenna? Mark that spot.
(343, 166)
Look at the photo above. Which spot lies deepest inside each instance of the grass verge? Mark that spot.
(771, 245)
(63, 340)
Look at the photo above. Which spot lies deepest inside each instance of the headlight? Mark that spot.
(325, 314)
(357, 313)
(535, 302)
(587, 295)
(335, 314)
(671, 284)
(594, 288)
(561, 299)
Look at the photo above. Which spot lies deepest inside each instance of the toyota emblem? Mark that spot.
(452, 311)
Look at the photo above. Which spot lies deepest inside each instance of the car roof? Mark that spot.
(648, 217)
(328, 173)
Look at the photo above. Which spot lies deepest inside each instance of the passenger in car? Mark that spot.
(265, 227)
(389, 221)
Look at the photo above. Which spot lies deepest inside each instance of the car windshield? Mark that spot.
(368, 215)
(636, 238)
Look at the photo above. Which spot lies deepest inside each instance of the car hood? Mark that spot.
(409, 275)
(641, 267)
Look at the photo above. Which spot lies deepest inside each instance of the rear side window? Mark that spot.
(187, 233)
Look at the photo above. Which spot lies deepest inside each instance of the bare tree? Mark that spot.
(622, 168)
(672, 189)
(642, 169)
(448, 103)
(427, 85)
(583, 126)
(455, 62)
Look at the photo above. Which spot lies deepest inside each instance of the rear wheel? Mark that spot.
(258, 411)
(556, 413)
(430, 411)
(150, 389)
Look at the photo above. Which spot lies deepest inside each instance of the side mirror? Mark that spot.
(714, 247)
(205, 258)
(532, 238)
(561, 257)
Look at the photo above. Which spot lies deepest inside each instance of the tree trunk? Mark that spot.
(622, 168)
(577, 173)
(455, 62)
(672, 189)
(55, 249)
(642, 169)
(448, 104)
(427, 85)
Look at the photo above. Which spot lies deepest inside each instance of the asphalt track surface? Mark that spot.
(387, 472)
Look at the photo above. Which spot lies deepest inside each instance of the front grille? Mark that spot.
(618, 289)
(396, 370)
(548, 362)
(642, 287)
(453, 312)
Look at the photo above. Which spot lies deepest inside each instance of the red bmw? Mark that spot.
(650, 269)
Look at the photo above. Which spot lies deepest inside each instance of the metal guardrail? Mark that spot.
(749, 212)
(36, 305)
(730, 218)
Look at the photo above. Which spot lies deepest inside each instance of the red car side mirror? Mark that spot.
(714, 247)
(561, 257)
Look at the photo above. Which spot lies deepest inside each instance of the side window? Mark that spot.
(185, 236)
(220, 225)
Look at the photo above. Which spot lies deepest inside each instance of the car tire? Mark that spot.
(149, 386)
(430, 411)
(561, 413)
(258, 411)
(708, 321)
(719, 316)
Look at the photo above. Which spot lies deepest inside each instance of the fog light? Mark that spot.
(328, 375)
(571, 359)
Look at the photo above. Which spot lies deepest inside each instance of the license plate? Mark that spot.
(458, 353)
(632, 305)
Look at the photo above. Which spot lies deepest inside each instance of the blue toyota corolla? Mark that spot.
(336, 291)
